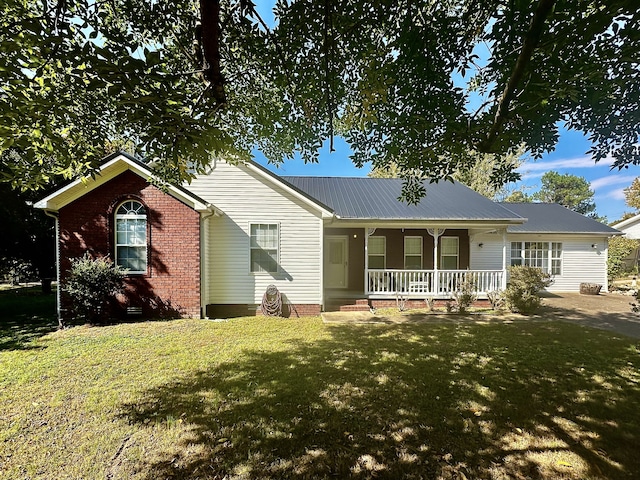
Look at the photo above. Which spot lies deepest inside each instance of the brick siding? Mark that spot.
(171, 286)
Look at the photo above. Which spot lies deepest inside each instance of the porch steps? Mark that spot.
(361, 305)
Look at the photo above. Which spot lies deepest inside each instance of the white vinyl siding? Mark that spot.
(580, 262)
(413, 253)
(246, 198)
(377, 251)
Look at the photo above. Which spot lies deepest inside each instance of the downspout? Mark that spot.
(58, 286)
(204, 261)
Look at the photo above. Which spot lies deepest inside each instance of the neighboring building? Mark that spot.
(213, 247)
(631, 229)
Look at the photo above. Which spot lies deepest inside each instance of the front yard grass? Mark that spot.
(294, 398)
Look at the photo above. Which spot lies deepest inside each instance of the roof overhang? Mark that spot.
(575, 234)
(628, 222)
(115, 165)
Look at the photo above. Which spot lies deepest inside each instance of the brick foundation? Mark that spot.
(244, 310)
(171, 285)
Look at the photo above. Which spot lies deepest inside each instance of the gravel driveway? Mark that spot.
(607, 311)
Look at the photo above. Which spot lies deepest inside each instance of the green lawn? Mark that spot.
(273, 398)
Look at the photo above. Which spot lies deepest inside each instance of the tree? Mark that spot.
(518, 196)
(189, 79)
(632, 194)
(620, 249)
(478, 173)
(28, 238)
(567, 190)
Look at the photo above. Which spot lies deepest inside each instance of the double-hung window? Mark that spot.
(544, 255)
(265, 241)
(449, 253)
(377, 252)
(131, 236)
(413, 253)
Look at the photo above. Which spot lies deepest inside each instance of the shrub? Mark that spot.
(619, 249)
(524, 285)
(465, 294)
(90, 285)
(496, 299)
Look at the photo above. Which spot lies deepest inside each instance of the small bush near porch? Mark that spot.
(272, 398)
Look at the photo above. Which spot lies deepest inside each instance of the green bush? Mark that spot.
(90, 285)
(619, 249)
(465, 294)
(524, 285)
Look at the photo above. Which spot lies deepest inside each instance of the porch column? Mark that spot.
(367, 233)
(504, 259)
(435, 233)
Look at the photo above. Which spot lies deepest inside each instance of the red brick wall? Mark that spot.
(171, 286)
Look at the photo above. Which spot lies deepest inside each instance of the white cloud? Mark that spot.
(612, 179)
(564, 164)
(617, 194)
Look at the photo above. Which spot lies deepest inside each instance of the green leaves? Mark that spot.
(383, 74)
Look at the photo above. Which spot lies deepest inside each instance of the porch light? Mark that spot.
(594, 245)
(481, 245)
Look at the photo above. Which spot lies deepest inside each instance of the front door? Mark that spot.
(335, 261)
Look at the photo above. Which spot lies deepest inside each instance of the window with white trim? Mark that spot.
(131, 236)
(377, 252)
(544, 255)
(413, 253)
(449, 253)
(265, 241)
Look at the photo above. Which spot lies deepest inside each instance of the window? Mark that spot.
(413, 253)
(449, 253)
(544, 255)
(265, 239)
(131, 236)
(377, 249)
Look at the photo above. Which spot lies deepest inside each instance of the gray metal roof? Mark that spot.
(554, 218)
(364, 198)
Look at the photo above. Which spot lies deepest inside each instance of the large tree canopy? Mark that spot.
(568, 190)
(188, 79)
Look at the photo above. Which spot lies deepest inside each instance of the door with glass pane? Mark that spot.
(335, 261)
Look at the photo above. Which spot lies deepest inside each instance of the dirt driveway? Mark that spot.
(607, 311)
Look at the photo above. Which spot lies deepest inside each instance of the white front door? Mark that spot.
(336, 254)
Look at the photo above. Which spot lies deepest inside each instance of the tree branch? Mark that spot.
(210, 41)
(531, 40)
(327, 72)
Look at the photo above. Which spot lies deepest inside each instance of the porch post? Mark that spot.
(367, 233)
(366, 261)
(504, 259)
(435, 233)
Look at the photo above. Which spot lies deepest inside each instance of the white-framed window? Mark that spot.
(449, 253)
(264, 246)
(131, 236)
(544, 255)
(377, 252)
(413, 253)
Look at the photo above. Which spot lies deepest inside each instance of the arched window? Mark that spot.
(131, 236)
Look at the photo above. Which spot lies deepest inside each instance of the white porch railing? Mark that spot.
(424, 283)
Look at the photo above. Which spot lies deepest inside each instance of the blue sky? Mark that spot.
(568, 157)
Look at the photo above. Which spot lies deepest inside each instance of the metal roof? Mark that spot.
(554, 218)
(364, 198)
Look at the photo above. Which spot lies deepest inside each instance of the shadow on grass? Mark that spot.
(25, 315)
(426, 401)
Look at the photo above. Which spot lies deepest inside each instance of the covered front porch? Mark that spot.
(409, 263)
